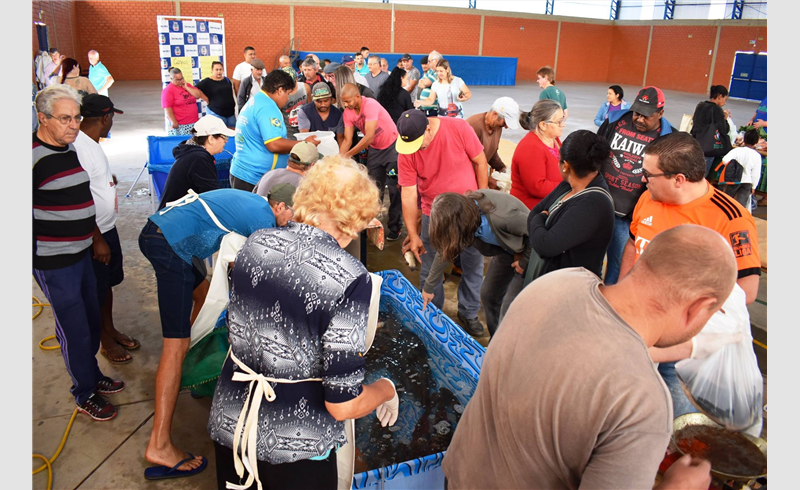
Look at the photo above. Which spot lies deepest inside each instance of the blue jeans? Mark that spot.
(229, 121)
(469, 288)
(499, 289)
(622, 232)
(72, 294)
(680, 403)
(175, 280)
(709, 164)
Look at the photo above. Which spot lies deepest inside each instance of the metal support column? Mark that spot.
(738, 6)
(614, 14)
(669, 9)
(548, 9)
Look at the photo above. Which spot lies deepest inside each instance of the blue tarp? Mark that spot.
(474, 70)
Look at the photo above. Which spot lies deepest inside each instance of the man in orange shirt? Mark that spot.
(677, 193)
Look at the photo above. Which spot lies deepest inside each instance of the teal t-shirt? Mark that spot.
(260, 122)
(426, 92)
(553, 93)
(98, 74)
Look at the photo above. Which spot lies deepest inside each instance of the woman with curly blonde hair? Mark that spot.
(297, 324)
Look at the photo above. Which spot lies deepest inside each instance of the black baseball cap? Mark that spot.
(424, 60)
(411, 126)
(406, 57)
(648, 101)
(96, 105)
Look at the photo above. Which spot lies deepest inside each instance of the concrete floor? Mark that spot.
(111, 455)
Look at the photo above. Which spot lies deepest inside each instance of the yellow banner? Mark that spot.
(184, 64)
(205, 65)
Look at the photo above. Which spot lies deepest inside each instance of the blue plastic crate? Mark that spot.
(160, 160)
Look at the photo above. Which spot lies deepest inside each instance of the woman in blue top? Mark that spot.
(614, 103)
(496, 224)
(182, 233)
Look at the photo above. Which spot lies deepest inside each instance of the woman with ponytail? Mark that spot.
(534, 167)
(572, 226)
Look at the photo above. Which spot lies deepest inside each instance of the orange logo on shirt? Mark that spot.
(740, 241)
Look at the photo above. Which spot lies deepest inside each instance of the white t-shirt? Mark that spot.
(442, 90)
(93, 159)
(750, 161)
(242, 71)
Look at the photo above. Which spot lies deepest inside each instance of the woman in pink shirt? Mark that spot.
(179, 100)
(534, 167)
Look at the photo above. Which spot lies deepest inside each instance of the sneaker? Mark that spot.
(473, 326)
(392, 236)
(108, 386)
(98, 408)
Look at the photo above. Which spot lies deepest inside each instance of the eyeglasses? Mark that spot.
(647, 175)
(65, 120)
(560, 122)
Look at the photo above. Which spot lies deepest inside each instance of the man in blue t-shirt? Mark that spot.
(175, 240)
(261, 143)
(98, 74)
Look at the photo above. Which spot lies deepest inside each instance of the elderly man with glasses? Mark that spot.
(65, 240)
(628, 132)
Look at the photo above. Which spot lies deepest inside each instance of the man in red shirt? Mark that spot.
(380, 133)
(179, 101)
(437, 155)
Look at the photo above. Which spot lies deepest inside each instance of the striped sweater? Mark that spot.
(63, 208)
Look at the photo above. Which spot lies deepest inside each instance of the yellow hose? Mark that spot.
(40, 305)
(48, 462)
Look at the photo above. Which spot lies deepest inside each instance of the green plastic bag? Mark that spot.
(203, 363)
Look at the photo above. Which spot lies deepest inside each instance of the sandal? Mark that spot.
(119, 359)
(127, 338)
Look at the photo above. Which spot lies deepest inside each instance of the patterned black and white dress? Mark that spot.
(298, 309)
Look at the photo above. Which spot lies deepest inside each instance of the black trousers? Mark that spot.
(240, 184)
(301, 475)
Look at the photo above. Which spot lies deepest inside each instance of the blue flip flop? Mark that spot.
(163, 473)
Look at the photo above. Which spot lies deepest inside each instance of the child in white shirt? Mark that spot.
(750, 160)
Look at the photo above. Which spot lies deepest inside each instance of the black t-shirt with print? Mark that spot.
(624, 172)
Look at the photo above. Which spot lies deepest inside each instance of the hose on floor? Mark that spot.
(49, 462)
(40, 305)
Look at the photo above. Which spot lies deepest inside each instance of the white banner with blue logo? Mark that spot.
(191, 44)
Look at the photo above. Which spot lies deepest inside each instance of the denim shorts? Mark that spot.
(176, 280)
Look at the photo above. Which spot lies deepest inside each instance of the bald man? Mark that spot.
(98, 74)
(569, 375)
(380, 134)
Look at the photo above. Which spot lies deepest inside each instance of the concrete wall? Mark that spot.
(671, 54)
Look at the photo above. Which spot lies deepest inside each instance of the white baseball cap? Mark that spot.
(211, 125)
(508, 109)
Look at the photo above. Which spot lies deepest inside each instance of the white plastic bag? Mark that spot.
(727, 385)
(327, 141)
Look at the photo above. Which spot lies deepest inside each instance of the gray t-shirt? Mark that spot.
(411, 75)
(292, 107)
(374, 83)
(275, 177)
(568, 397)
